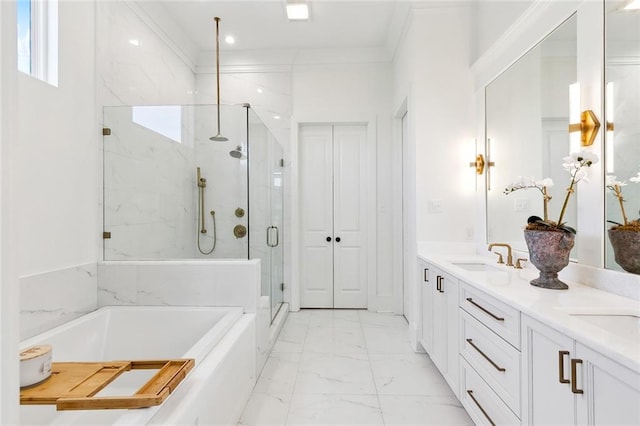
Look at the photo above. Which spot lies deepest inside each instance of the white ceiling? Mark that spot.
(262, 24)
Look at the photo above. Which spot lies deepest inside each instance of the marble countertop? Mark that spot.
(603, 321)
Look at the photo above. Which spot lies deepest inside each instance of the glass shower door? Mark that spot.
(277, 208)
(266, 209)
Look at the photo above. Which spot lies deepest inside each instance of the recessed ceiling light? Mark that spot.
(297, 11)
(276, 117)
(259, 90)
(134, 42)
(632, 5)
(230, 39)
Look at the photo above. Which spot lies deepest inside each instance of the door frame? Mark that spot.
(294, 289)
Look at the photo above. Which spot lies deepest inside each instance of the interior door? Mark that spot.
(316, 187)
(333, 266)
(349, 261)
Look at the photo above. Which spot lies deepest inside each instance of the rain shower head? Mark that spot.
(237, 153)
(218, 138)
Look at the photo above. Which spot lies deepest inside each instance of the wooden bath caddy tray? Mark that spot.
(72, 385)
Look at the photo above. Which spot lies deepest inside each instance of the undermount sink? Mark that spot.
(621, 322)
(474, 266)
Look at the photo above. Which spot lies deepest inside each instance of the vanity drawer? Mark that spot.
(499, 317)
(494, 359)
(483, 405)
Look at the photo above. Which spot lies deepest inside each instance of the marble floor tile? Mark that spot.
(298, 318)
(279, 374)
(385, 340)
(335, 340)
(334, 374)
(374, 319)
(423, 410)
(334, 410)
(291, 339)
(265, 409)
(349, 367)
(407, 374)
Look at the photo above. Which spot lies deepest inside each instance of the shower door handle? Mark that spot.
(269, 236)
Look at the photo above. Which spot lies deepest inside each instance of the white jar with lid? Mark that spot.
(35, 365)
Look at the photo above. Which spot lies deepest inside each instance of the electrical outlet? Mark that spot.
(521, 205)
(435, 206)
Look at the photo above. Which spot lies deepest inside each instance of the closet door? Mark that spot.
(349, 260)
(316, 186)
(333, 261)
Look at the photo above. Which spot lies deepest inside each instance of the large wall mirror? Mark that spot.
(622, 108)
(527, 117)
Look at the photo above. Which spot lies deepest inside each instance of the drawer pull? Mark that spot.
(441, 281)
(470, 300)
(470, 392)
(496, 366)
(574, 380)
(426, 275)
(561, 355)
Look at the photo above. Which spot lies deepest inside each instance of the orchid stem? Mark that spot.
(618, 193)
(566, 200)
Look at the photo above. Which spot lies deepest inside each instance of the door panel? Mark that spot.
(316, 184)
(350, 262)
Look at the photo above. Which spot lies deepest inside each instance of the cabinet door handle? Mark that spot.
(426, 275)
(328, 239)
(561, 355)
(439, 283)
(496, 366)
(470, 300)
(441, 289)
(470, 392)
(574, 378)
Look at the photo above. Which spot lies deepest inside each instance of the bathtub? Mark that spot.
(221, 340)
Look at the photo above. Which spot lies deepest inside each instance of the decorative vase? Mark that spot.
(549, 252)
(626, 248)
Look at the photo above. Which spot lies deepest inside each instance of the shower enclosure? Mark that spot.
(172, 193)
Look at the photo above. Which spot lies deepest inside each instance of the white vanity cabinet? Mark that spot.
(440, 324)
(489, 358)
(565, 382)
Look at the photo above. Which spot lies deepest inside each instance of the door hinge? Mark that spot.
(281, 286)
(106, 235)
(106, 131)
(282, 162)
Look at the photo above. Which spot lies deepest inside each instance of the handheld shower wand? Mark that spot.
(202, 184)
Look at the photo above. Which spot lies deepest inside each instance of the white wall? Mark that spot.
(9, 290)
(434, 80)
(55, 179)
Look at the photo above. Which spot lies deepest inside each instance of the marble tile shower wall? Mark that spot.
(149, 192)
(53, 298)
(137, 66)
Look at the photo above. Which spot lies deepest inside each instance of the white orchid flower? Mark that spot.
(546, 182)
(612, 180)
(635, 179)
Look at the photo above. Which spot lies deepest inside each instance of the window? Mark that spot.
(38, 39)
(165, 120)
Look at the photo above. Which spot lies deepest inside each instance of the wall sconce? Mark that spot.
(610, 144)
(584, 122)
(588, 127)
(478, 164)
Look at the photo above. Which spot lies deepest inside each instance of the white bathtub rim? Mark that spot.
(199, 351)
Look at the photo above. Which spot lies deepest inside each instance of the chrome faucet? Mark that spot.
(509, 255)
